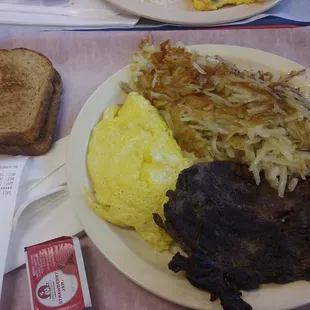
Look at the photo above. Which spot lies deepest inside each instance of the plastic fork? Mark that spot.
(35, 198)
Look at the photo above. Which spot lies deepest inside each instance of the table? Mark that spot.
(85, 60)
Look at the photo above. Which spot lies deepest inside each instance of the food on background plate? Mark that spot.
(132, 161)
(30, 99)
(237, 235)
(209, 5)
(219, 112)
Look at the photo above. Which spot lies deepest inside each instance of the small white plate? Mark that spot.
(183, 12)
(124, 248)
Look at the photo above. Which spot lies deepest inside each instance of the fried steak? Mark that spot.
(237, 235)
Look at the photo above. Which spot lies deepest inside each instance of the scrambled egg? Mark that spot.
(133, 160)
(208, 5)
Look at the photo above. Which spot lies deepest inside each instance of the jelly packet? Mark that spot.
(57, 276)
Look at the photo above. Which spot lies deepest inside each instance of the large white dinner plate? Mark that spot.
(124, 248)
(183, 12)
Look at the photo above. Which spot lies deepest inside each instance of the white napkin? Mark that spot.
(78, 14)
(49, 217)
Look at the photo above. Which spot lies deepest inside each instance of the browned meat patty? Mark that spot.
(237, 235)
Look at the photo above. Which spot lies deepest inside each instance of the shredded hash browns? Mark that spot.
(218, 112)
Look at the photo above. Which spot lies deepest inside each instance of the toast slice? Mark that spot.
(45, 139)
(26, 79)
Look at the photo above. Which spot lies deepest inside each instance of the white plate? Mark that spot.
(124, 248)
(183, 12)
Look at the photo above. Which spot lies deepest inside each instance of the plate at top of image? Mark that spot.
(183, 11)
(124, 248)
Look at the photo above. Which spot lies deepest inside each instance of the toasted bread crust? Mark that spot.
(45, 139)
(29, 135)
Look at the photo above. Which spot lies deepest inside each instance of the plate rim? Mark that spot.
(193, 18)
(70, 153)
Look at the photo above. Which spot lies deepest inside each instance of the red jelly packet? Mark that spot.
(57, 275)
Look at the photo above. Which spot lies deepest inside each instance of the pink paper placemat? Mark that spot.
(85, 60)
